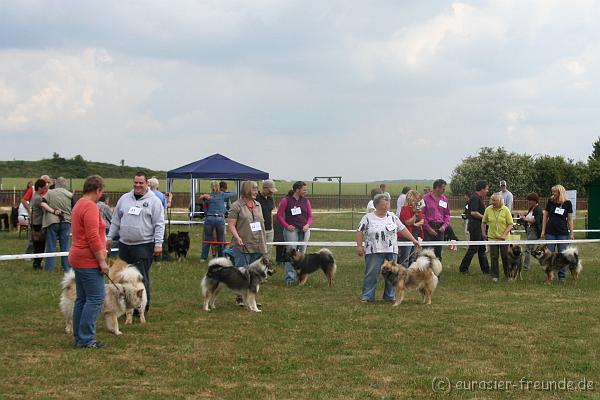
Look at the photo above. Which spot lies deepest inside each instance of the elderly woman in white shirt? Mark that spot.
(376, 240)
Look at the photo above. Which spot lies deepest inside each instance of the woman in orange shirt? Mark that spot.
(87, 257)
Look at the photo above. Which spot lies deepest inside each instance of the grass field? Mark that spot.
(310, 342)
(349, 188)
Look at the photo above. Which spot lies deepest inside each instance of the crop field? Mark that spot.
(478, 339)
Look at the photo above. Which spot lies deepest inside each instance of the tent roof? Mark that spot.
(217, 166)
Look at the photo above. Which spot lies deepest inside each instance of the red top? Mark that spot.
(406, 213)
(28, 194)
(89, 234)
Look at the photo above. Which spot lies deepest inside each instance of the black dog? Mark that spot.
(179, 243)
(305, 264)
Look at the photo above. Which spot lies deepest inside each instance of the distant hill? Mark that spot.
(75, 167)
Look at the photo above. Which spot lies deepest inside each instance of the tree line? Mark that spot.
(525, 173)
(76, 167)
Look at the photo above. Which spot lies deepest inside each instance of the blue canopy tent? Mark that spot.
(216, 166)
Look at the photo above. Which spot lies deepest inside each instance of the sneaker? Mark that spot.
(494, 280)
(95, 345)
(203, 260)
(465, 272)
(366, 301)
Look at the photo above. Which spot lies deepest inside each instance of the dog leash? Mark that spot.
(412, 252)
(248, 252)
(111, 281)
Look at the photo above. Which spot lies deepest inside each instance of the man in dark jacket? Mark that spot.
(474, 210)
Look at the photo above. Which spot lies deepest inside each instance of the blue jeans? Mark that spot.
(243, 259)
(212, 223)
(373, 263)
(296, 235)
(90, 296)
(60, 231)
(141, 256)
(406, 254)
(560, 247)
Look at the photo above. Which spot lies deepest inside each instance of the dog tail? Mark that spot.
(68, 279)
(66, 303)
(572, 255)
(427, 259)
(130, 275)
(217, 264)
(327, 256)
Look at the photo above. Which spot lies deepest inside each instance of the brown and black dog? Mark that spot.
(515, 261)
(305, 264)
(552, 261)
(422, 275)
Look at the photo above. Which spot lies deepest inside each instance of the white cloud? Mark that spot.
(302, 89)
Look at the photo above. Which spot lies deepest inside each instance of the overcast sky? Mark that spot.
(367, 90)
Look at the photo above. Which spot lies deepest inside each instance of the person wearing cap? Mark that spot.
(506, 195)
(267, 203)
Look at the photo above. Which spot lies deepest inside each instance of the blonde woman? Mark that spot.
(557, 222)
(499, 222)
(413, 220)
(246, 223)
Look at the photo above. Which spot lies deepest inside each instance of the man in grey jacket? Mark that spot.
(138, 221)
(56, 221)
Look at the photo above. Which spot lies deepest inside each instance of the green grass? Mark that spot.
(310, 342)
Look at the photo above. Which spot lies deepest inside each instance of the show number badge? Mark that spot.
(443, 204)
(134, 211)
(559, 211)
(296, 211)
(255, 226)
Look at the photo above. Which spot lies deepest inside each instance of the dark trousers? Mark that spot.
(38, 238)
(440, 237)
(4, 221)
(141, 256)
(216, 225)
(475, 234)
(503, 250)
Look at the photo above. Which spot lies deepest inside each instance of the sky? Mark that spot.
(378, 90)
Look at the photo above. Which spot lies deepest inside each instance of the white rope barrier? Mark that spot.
(331, 230)
(347, 244)
(39, 255)
(445, 243)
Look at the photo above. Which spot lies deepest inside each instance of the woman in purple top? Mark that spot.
(295, 216)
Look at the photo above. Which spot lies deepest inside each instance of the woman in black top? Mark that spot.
(557, 222)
